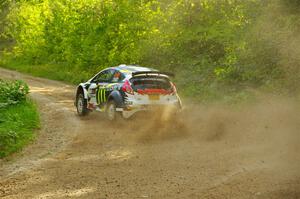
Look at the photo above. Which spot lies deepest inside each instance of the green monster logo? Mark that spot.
(101, 95)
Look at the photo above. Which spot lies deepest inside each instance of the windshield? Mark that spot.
(150, 83)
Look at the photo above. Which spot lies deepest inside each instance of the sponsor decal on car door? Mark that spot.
(104, 91)
(101, 95)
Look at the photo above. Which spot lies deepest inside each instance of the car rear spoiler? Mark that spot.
(152, 72)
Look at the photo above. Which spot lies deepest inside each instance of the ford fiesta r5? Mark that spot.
(125, 90)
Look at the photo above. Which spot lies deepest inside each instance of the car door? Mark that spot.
(98, 91)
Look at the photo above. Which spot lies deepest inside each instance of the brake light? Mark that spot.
(127, 88)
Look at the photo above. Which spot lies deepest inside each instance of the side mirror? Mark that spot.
(93, 86)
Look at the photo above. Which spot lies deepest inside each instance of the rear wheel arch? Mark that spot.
(117, 98)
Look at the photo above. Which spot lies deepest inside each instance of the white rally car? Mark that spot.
(125, 90)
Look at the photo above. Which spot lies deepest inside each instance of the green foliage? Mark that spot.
(18, 117)
(271, 56)
(202, 41)
(80, 33)
(12, 93)
(217, 48)
(16, 127)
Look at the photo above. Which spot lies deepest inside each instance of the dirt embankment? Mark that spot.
(211, 152)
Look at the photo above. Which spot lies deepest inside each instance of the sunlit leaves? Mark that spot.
(85, 33)
(209, 43)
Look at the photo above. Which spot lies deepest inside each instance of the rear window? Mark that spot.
(150, 83)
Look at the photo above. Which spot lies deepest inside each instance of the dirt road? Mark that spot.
(252, 151)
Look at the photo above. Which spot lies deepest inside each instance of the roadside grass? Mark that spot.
(18, 117)
(58, 72)
(17, 126)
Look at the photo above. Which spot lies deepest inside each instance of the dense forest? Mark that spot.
(219, 49)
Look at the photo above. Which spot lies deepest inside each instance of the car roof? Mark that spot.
(127, 70)
(132, 68)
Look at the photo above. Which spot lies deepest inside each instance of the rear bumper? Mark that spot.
(129, 110)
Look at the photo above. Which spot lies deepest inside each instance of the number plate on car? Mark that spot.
(153, 97)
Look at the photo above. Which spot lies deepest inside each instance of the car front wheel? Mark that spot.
(81, 105)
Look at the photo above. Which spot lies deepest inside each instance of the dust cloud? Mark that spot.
(268, 127)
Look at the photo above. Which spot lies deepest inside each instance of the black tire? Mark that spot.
(111, 111)
(81, 105)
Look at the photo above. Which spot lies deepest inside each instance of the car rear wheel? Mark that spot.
(111, 112)
(81, 105)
